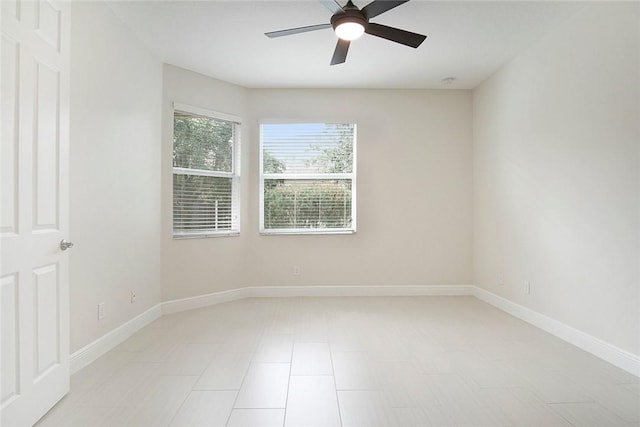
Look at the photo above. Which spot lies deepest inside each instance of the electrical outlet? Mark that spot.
(528, 287)
(500, 281)
(133, 297)
(101, 311)
(296, 270)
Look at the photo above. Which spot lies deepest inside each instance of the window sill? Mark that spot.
(301, 232)
(187, 236)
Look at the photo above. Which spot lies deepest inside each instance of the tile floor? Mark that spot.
(382, 361)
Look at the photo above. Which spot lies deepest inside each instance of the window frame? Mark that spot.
(234, 174)
(308, 176)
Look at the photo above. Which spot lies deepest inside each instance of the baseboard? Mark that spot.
(358, 291)
(190, 303)
(183, 304)
(97, 348)
(602, 349)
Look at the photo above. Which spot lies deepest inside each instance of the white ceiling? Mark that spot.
(468, 40)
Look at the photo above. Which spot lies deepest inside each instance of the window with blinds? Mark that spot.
(307, 178)
(205, 173)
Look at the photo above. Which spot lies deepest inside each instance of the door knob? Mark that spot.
(64, 245)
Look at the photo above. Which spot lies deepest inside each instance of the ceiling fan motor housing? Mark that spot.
(349, 15)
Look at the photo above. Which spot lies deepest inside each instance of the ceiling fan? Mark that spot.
(349, 22)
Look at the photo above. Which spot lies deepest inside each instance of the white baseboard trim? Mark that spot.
(183, 304)
(602, 349)
(359, 291)
(312, 291)
(111, 339)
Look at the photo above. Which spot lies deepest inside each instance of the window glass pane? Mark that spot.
(307, 148)
(202, 143)
(307, 204)
(201, 203)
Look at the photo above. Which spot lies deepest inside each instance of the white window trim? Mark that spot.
(234, 174)
(322, 176)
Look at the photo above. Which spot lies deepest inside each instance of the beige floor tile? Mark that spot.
(206, 334)
(225, 372)
(141, 340)
(205, 408)
(311, 402)
(352, 371)
(396, 361)
(274, 349)
(101, 370)
(281, 326)
(634, 388)
(77, 416)
(401, 382)
(429, 356)
(521, 407)
(410, 417)
(265, 386)
(312, 331)
(452, 399)
(126, 384)
(158, 352)
(486, 373)
(244, 340)
(256, 418)
(161, 400)
(364, 408)
(619, 400)
(616, 397)
(343, 337)
(189, 359)
(552, 386)
(311, 359)
(589, 414)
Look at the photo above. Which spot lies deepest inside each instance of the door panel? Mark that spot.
(34, 292)
(48, 23)
(10, 351)
(9, 184)
(47, 334)
(11, 7)
(46, 148)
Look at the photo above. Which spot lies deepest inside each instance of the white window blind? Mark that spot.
(205, 173)
(307, 178)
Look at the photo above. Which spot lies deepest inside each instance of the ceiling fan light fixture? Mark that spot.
(349, 24)
(349, 30)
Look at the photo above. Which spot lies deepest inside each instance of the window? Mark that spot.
(205, 173)
(307, 178)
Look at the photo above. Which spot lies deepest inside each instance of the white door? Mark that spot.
(34, 297)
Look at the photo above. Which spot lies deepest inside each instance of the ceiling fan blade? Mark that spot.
(298, 30)
(332, 5)
(377, 7)
(395, 34)
(340, 54)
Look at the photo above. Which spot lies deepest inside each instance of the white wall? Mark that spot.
(116, 89)
(194, 267)
(414, 192)
(556, 176)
